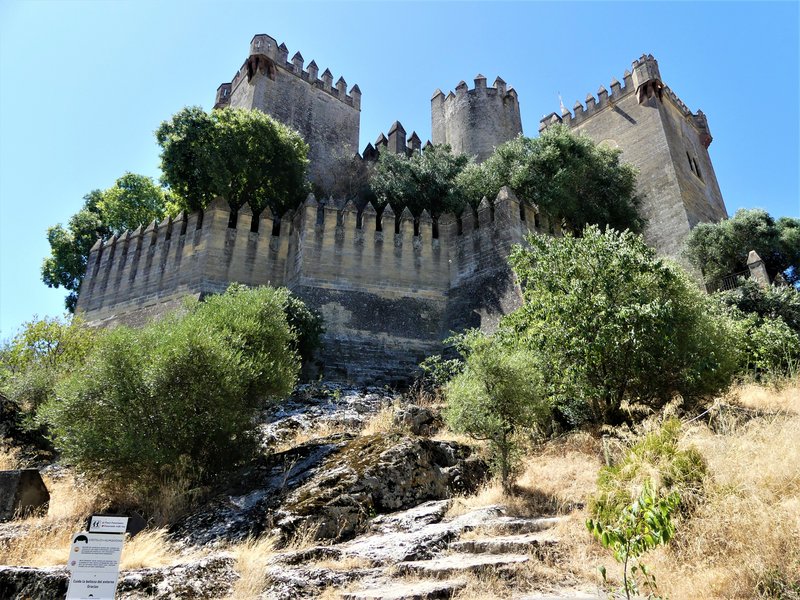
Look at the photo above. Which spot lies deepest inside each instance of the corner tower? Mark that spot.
(326, 114)
(474, 121)
(665, 141)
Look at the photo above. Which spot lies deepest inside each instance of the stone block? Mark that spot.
(21, 493)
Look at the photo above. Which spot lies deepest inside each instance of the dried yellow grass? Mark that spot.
(381, 422)
(9, 459)
(152, 548)
(745, 534)
(251, 557)
(301, 436)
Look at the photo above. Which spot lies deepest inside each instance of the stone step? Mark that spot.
(417, 590)
(538, 543)
(517, 525)
(455, 564)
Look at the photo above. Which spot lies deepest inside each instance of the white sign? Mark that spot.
(94, 565)
(102, 524)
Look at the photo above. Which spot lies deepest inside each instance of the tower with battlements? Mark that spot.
(474, 121)
(326, 115)
(665, 141)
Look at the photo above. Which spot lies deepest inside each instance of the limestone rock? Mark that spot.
(22, 492)
(417, 419)
(377, 474)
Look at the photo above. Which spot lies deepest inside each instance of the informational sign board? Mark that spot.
(94, 565)
(106, 524)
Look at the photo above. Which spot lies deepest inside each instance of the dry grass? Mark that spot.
(381, 422)
(9, 459)
(320, 430)
(46, 539)
(556, 478)
(745, 537)
(252, 557)
(345, 563)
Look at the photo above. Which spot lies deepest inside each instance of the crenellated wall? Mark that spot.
(664, 141)
(390, 287)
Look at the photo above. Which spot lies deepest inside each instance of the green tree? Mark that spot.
(569, 177)
(240, 155)
(721, 249)
(494, 397)
(611, 323)
(423, 181)
(133, 200)
(35, 360)
(176, 398)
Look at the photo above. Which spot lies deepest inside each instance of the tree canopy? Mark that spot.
(611, 323)
(238, 154)
(423, 181)
(569, 177)
(133, 200)
(721, 249)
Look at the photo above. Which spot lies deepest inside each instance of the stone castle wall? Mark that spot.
(389, 290)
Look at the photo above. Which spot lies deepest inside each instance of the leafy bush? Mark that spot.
(177, 398)
(765, 302)
(612, 324)
(38, 357)
(769, 347)
(495, 396)
(306, 323)
(656, 458)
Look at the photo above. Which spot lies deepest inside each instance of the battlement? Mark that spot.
(266, 55)
(475, 121)
(645, 81)
(499, 89)
(396, 143)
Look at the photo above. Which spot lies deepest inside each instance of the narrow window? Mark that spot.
(232, 220)
(254, 223)
(691, 164)
(360, 220)
(276, 227)
(536, 222)
(416, 226)
(436, 229)
(697, 170)
(396, 225)
(521, 211)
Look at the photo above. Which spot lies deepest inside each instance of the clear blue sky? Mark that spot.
(83, 85)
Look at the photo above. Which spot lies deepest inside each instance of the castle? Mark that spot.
(391, 286)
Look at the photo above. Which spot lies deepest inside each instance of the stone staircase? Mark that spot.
(491, 544)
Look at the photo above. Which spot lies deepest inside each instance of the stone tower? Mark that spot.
(326, 115)
(474, 121)
(665, 141)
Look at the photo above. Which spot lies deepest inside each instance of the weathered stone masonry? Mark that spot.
(388, 295)
(391, 287)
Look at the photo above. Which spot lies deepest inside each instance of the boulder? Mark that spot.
(417, 419)
(377, 474)
(22, 492)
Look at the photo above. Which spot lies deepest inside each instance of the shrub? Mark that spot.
(612, 324)
(656, 458)
(766, 302)
(177, 398)
(306, 324)
(638, 528)
(495, 396)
